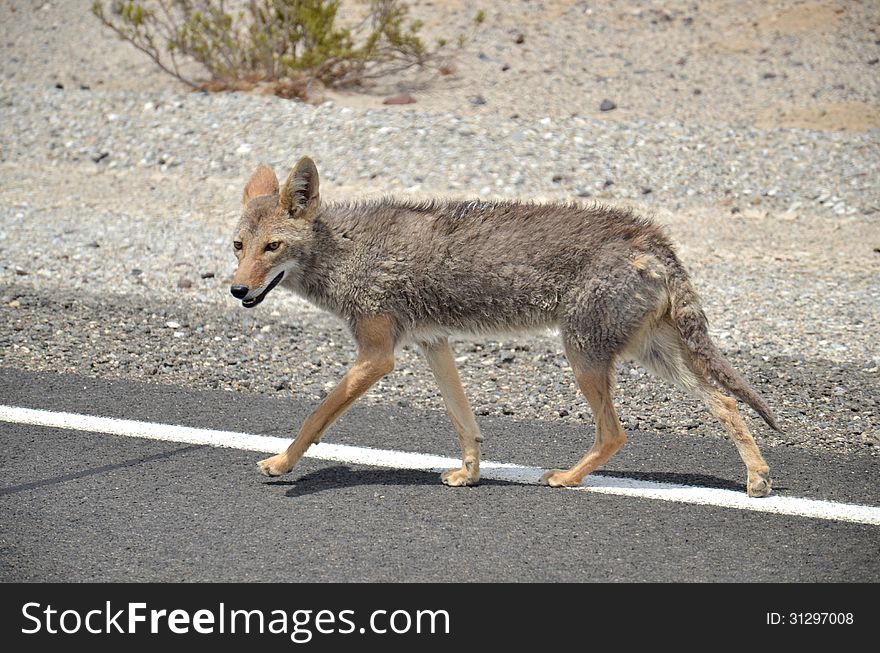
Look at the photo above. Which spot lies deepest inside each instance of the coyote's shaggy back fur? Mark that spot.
(402, 271)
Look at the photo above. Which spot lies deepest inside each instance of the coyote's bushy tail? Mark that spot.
(688, 317)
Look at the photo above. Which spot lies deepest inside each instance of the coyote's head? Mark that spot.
(274, 234)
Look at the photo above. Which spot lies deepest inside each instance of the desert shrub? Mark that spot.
(284, 44)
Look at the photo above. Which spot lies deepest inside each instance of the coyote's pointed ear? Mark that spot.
(263, 182)
(300, 191)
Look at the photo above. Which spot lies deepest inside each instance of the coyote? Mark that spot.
(396, 272)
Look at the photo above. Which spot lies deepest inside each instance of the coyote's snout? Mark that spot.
(398, 272)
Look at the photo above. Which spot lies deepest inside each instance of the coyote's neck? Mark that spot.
(319, 279)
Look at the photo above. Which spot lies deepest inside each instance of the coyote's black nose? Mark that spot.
(239, 292)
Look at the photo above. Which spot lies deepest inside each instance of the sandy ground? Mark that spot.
(781, 63)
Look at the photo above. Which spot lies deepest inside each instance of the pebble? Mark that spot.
(403, 98)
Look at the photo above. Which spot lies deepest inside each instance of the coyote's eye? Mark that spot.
(236, 244)
(271, 247)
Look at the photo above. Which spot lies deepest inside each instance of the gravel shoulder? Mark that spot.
(778, 63)
(118, 191)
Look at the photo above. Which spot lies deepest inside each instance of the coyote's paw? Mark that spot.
(274, 466)
(759, 484)
(558, 478)
(459, 477)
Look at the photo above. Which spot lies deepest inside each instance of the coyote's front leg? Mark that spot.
(375, 339)
(442, 362)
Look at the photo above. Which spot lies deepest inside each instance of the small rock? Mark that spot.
(171, 324)
(59, 86)
(136, 272)
(477, 100)
(505, 67)
(14, 304)
(100, 156)
(873, 62)
(21, 271)
(520, 39)
(607, 105)
(183, 282)
(94, 244)
(403, 98)
(646, 190)
(207, 275)
(698, 91)
(792, 213)
(768, 76)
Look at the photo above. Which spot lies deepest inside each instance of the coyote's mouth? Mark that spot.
(250, 303)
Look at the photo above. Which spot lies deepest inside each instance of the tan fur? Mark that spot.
(595, 383)
(252, 272)
(399, 272)
(442, 362)
(724, 408)
(640, 262)
(375, 359)
(263, 182)
(658, 347)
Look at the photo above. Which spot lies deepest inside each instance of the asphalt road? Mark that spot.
(79, 506)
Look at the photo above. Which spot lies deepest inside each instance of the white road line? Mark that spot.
(782, 505)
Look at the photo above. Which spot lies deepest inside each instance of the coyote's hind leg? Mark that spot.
(595, 381)
(662, 351)
(724, 408)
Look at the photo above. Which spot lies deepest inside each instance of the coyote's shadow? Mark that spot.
(340, 476)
